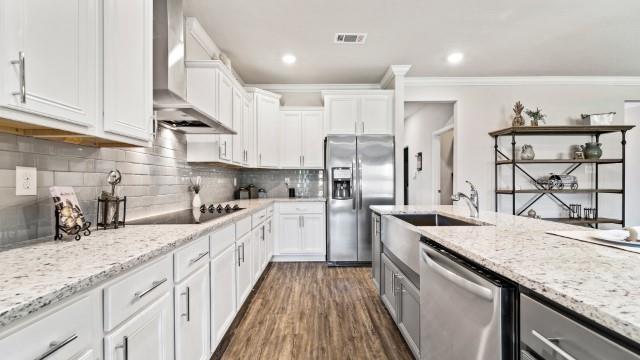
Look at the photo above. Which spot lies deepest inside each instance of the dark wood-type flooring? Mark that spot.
(311, 311)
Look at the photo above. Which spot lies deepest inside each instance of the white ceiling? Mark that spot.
(498, 37)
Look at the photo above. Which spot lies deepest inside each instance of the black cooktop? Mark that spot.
(206, 213)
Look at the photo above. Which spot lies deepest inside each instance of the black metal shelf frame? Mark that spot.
(501, 158)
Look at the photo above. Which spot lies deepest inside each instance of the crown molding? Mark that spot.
(523, 80)
(392, 72)
(313, 88)
(203, 39)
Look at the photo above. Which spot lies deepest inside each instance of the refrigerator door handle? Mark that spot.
(360, 183)
(353, 195)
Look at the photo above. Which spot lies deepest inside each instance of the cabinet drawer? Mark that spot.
(190, 257)
(243, 226)
(222, 239)
(74, 329)
(258, 217)
(302, 208)
(135, 291)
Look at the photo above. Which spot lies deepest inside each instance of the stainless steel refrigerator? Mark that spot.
(360, 172)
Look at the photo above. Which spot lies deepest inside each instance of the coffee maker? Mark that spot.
(342, 185)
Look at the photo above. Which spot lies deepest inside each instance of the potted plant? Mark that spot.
(536, 116)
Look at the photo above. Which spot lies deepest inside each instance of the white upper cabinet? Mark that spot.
(49, 51)
(128, 68)
(302, 132)
(366, 112)
(239, 155)
(248, 133)
(312, 140)
(267, 116)
(225, 99)
(291, 145)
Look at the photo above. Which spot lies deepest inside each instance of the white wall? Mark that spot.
(487, 107)
(418, 129)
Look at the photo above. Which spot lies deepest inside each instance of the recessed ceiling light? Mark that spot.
(455, 57)
(289, 59)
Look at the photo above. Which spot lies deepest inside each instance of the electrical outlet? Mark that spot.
(26, 180)
(235, 182)
(286, 181)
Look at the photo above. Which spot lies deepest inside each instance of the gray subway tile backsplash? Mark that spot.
(154, 179)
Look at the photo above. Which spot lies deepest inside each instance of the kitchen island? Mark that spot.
(599, 283)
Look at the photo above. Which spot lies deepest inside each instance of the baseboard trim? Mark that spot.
(299, 258)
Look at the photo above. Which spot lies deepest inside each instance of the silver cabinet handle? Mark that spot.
(55, 346)
(362, 122)
(238, 254)
(550, 343)
(155, 284)
(397, 286)
(302, 160)
(260, 159)
(188, 294)
(225, 148)
(468, 285)
(21, 62)
(197, 258)
(360, 183)
(124, 347)
(302, 218)
(243, 252)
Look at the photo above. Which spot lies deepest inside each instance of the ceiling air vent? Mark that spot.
(350, 38)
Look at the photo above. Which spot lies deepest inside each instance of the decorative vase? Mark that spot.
(517, 121)
(195, 206)
(592, 150)
(527, 152)
(534, 122)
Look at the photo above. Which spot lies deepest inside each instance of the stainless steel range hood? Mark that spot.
(169, 87)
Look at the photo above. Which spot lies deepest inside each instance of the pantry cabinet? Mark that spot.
(302, 132)
(49, 52)
(191, 316)
(147, 335)
(365, 112)
(128, 68)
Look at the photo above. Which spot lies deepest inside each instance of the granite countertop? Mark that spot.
(40, 275)
(598, 282)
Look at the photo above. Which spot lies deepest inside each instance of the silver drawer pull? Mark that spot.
(23, 82)
(552, 346)
(155, 284)
(124, 347)
(197, 258)
(55, 346)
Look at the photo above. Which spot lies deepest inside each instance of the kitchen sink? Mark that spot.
(432, 220)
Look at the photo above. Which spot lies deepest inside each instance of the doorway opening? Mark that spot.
(429, 152)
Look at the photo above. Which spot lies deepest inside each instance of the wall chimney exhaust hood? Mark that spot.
(169, 89)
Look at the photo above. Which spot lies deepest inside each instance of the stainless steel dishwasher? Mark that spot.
(466, 313)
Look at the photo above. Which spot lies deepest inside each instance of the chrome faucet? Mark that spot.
(471, 201)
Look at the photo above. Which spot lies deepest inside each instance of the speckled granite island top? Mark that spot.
(597, 282)
(36, 276)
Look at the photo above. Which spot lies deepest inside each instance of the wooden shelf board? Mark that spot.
(562, 161)
(600, 220)
(561, 130)
(558, 191)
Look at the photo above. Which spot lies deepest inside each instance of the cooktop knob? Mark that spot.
(203, 208)
(212, 208)
(227, 208)
(219, 208)
(236, 207)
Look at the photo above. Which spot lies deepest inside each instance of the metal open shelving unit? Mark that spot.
(503, 160)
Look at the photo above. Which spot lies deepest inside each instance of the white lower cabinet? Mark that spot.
(223, 293)
(259, 251)
(389, 286)
(312, 231)
(71, 332)
(148, 335)
(269, 235)
(191, 316)
(301, 231)
(244, 278)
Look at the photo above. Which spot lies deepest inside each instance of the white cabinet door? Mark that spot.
(313, 240)
(248, 130)
(268, 135)
(376, 115)
(256, 253)
(225, 99)
(128, 68)
(238, 146)
(192, 316)
(291, 144)
(202, 89)
(312, 140)
(147, 335)
(223, 293)
(270, 238)
(289, 234)
(341, 114)
(244, 275)
(226, 147)
(389, 285)
(59, 44)
(264, 247)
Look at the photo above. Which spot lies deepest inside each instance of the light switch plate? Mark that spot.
(26, 180)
